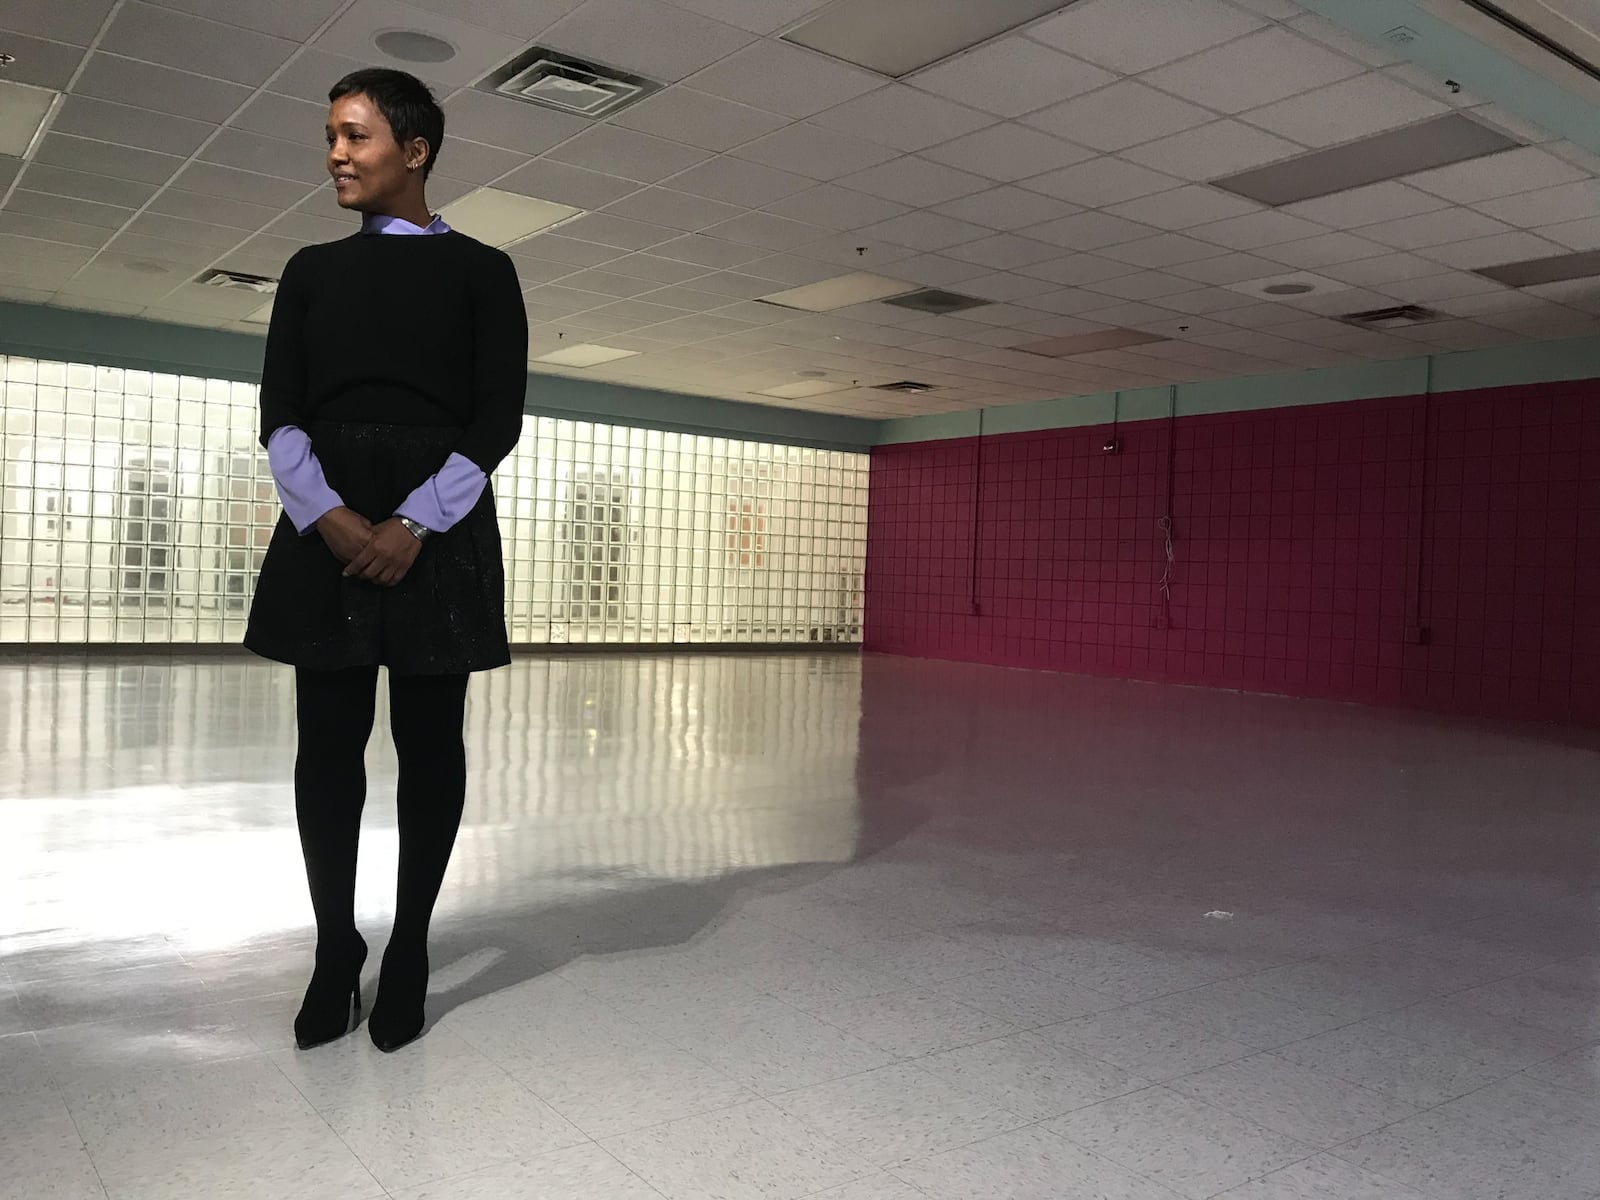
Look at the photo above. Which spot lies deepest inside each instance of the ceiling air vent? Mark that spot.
(239, 281)
(1398, 317)
(550, 79)
(931, 300)
(904, 385)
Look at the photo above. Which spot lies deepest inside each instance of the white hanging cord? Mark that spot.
(1165, 525)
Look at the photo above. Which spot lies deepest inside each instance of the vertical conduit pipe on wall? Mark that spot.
(977, 507)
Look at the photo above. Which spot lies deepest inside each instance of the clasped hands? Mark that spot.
(380, 554)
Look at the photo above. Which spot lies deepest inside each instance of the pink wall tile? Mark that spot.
(1310, 544)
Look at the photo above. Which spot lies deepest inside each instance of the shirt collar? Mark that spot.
(381, 224)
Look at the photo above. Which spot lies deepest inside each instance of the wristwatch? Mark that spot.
(418, 531)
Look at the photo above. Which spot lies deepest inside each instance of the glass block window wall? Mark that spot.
(136, 507)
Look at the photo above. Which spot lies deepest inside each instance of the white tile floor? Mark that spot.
(811, 926)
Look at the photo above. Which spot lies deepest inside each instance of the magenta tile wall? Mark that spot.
(1441, 554)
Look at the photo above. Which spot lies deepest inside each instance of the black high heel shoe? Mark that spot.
(399, 1014)
(332, 1005)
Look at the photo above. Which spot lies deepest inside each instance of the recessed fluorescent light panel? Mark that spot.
(1436, 143)
(23, 112)
(1091, 343)
(1558, 268)
(799, 391)
(842, 292)
(585, 355)
(504, 218)
(897, 37)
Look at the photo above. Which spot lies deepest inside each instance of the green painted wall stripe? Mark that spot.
(1504, 366)
(40, 331)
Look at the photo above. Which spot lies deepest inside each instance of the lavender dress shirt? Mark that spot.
(437, 504)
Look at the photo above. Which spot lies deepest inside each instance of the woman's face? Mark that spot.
(367, 164)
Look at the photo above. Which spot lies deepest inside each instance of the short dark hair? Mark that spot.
(405, 102)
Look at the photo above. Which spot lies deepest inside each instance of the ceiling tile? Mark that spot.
(836, 207)
(846, 250)
(1090, 231)
(1335, 37)
(1007, 152)
(1163, 250)
(1101, 182)
(1130, 36)
(521, 19)
(1006, 286)
(608, 283)
(1184, 207)
(786, 79)
(738, 182)
(655, 269)
(1435, 229)
(1007, 208)
(766, 231)
(1143, 285)
(84, 116)
(1124, 114)
(1574, 235)
(267, 156)
(935, 270)
(790, 269)
(1254, 230)
(1451, 285)
(689, 116)
(507, 124)
(607, 229)
(213, 210)
(1213, 151)
(1325, 250)
(903, 117)
(1493, 251)
(119, 162)
(1072, 271)
(814, 152)
(1265, 67)
(75, 23)
(98, 188)
(1355, 108)
(766, 17)
(627, 154)
(42, 63)
(182, 41)
(925, 231)
(66, 208)
(190, 254)
(915, 181)
(1377, 272)
(299, 121)
(674, 209)
(51, 229)
(565, 184)
(1010, 77)
(144, 85)
(1366, 205)
(648, 38)
(1508, 173)
(1229, 269)
(1547, 206)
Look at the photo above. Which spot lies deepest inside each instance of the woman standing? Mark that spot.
(393, 385)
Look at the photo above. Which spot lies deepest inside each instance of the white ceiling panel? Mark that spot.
(1130, 36)
(925, 231)
(674, 209)
(1325, 250)
(1547, 206)
(1508, 173)
(785, 79)
(1006, 153)
(1355, 108)
(508, 124)
(1163, 250)
(1213, 151)
(697, 119)
(814, 152)
(904, 118)
(1493, 251)
(645, 37)
(1366, 206)
(1185, 207)
(915, 181)
(1435, 229)
(521, 19)
(735, 181)
(1125, 114)
(1006, 208)
(1010, 77)
(1101, 182)
(185, 42)
(837, 207)
(1257, 70)
(1090, 231)
(1268, 227)
(145, 85)
(627, 154)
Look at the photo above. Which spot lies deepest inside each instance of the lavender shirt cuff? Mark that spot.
(304, 492)
(444, 498)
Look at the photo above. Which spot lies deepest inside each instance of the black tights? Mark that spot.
(334, 711)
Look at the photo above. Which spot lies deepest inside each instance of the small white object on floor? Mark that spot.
(1216, 914)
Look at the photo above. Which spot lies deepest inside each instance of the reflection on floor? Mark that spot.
(811, 926)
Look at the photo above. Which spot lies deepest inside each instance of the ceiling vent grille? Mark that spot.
(1399, 317)
(239, 281)
(904, 385)
(932, 300)
(550, 79)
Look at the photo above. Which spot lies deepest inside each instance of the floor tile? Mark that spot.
(750, 1152)
(1246, 1014)
(1295, 1101)
(353, 1070)
(1539, 1002)
(581, 1173)
(1322, 1177)
(450, 1130)
(782, 1050)
(1453, 1025)
(1190, 1147)
(1146, 1042)
(109, 995)
(1402, 1068)
(618, 1093)
(1121, 972)
(1024, 997)
(913, 1023)
(1032, 1076)
(1578, 1071)
(897, 1113)
(1027, 1164)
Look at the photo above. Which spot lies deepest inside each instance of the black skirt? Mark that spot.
(446, 617)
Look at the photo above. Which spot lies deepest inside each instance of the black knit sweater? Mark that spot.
(400, 331)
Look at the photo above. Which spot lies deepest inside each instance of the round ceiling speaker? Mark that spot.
(411, 45)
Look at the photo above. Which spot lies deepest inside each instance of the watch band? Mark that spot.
(416, 530)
